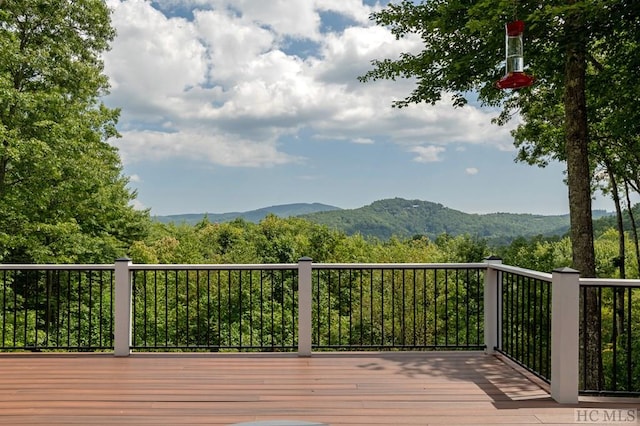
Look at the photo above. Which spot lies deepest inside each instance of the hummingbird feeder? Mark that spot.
(515, 77)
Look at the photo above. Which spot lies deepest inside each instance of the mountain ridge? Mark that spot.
(404, 219)
(281, 210)
(408, 218)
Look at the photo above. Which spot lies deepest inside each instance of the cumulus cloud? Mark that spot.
(427, 154)
(216, 149)
(471, 171)
(222, 84)
(354, 9)
(346, 55)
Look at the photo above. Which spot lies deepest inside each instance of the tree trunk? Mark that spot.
(619, 261)
(634, 228)
(579, 184)
(576, 145)
(4, 166)
(3, 175)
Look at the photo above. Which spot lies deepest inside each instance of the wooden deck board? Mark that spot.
(433, 388)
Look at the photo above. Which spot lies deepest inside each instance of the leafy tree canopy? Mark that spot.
(464, 45)
(582, 53)
(62, 194)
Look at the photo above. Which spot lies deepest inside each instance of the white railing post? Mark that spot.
(304, 306)
(122, 334)
(565, 316)
(491, 305)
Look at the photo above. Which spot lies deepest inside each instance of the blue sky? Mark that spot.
(234, 105)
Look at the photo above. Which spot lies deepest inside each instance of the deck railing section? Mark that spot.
(617, 334)
(56, 307)
(524, 333)
(530, 317)
(214, 307)
(398, 306)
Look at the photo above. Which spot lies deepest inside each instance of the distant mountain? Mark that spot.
(407, 218)
(255, 216)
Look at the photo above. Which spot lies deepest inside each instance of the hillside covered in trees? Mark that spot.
(406, 218)
(403, 218)
(284, 210)
(285, 240)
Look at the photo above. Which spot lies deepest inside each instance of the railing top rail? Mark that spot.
(58, 267)
(399, 265)
(247, 266)
(163, 266)
(609, 282)
(225, 267)
(544, 276)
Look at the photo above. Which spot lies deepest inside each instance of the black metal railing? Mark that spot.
(524, 321)
(56, 308)
(346, 307)
(397, 307)
(215, 308)
(615, 336)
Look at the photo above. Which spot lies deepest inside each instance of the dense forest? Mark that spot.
(285, 240)
(405, 218)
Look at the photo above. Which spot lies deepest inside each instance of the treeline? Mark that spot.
(285, 240)
(545, 254)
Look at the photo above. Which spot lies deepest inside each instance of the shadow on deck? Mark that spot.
(363, 388)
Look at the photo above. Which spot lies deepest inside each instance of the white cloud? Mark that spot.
(138, 205)
(471, 171)
(354, 9)
(153, 57)
(224, 88)
(347, 55)
(135, 178)
(427, 154)
(284, 17)
(215, 149)
(233, 43)
(363, 141)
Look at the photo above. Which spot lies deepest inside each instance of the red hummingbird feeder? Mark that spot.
(515, 77)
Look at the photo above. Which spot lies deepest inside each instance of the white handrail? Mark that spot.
(544, 276)
(609, 282)
(57, 267)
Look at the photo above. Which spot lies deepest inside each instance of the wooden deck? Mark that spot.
(432, 388)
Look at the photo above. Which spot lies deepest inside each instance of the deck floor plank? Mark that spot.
(377, 388)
